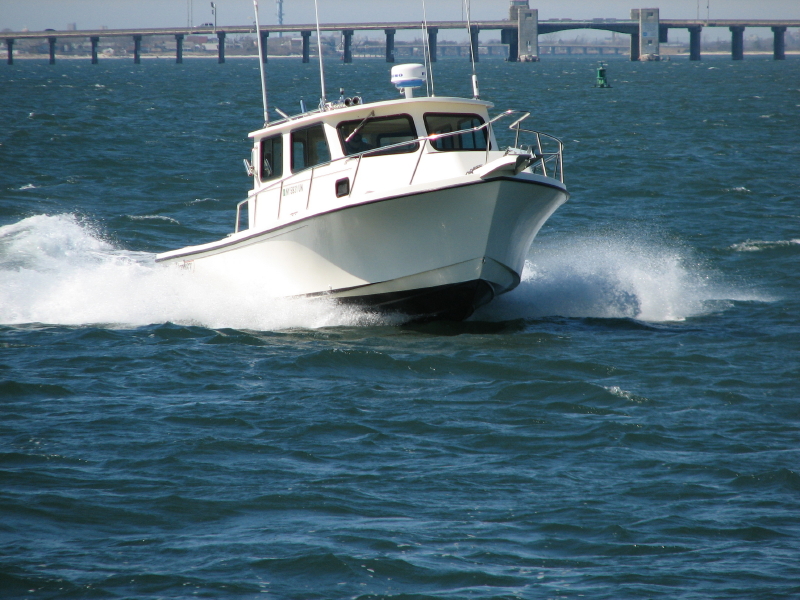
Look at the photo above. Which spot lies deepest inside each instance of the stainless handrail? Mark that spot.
(543, 158)
(238, 211)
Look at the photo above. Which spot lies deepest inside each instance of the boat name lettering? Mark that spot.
(293, 189)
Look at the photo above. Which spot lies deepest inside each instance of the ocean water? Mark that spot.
(625, 424)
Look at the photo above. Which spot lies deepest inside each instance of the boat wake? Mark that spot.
(615, 276)
(59, 270)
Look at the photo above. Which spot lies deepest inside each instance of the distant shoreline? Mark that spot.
(381, 57)
(147, 56)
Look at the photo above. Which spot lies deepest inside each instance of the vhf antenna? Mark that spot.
(428, 58)
(472, 53)
(261, 65)
(322, 101)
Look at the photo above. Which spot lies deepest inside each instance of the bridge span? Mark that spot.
(520, 32)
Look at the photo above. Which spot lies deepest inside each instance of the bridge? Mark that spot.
(414, 50)
(520, 33)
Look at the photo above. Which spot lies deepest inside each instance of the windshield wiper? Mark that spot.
(360, 127)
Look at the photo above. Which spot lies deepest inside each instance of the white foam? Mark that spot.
(57, 270)
(614, 276)
(152, 218)
(625, 394)
(758, 245)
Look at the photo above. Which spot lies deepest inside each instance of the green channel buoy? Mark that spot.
(602, 80)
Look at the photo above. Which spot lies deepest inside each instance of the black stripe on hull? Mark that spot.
(451, 302)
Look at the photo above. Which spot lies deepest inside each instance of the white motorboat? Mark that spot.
(408, 205)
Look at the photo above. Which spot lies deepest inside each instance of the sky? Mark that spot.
(37, 15)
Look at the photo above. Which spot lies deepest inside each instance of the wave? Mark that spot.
(615, 276)
(758, 245)
(152, 218)
(60, 270)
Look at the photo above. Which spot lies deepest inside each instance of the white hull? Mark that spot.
(406, 205)
(440, 252)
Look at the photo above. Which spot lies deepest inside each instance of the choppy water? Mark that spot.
(625, 424)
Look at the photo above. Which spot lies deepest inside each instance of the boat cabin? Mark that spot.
(321, 161)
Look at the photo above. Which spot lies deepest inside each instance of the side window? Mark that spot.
(448, 123)
(373, 133)
(309, 148)
(271, 158)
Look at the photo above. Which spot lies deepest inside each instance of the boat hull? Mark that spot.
(439, 253)
(451, 302)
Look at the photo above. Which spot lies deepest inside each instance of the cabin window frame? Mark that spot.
(440, 144)
(295, 136)
(276, 166)
(376, 150)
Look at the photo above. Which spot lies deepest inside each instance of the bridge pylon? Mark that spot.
(649, 34)
(528, 34)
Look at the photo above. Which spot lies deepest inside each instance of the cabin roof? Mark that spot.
(383, 108)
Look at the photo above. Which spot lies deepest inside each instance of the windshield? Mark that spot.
(447, 123)
(374, 133)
